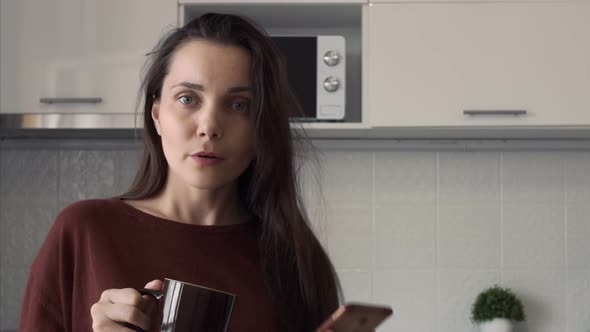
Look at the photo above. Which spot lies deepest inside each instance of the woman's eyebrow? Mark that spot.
(200, 87)
(189, 85)
(239, 89)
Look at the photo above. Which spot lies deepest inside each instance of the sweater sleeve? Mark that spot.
(47, 299)
(37, 315)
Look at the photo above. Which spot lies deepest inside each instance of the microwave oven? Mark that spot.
(316, 67)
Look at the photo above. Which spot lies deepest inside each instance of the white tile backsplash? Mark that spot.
(533, 177)
(403, 177)
(310, 180)
(24, 228)
(423, 230)
(577, 177)
(356, 285)
(350, 238)
(86, 174)
(318, 219)
(410, 293)
(578, 235)
(12, 288)
(28, 176)
(534, 235)
(469, 236)
(405, 236)
(348, 178)
(457, 290)
(578, 301)
(543, 295)
(469, 178)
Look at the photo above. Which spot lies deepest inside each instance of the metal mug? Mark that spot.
(192, 308)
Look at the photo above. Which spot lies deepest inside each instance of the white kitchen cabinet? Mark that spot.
(459, 1)
(77, 49)
(277, 2)
(428, 63)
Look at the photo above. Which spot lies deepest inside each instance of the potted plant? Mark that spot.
(495, 309)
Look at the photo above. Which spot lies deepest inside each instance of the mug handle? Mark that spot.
(144, 291)
(155, 294)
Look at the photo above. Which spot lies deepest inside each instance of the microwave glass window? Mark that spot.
(301, 57)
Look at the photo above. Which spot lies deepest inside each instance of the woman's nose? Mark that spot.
(209, 125)
(212, 133)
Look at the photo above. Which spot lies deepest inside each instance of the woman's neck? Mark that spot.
(220, 206)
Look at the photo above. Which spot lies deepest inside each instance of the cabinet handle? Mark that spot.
(70, 100)
(495, 112)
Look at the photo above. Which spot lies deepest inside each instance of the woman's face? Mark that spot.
(204, 107)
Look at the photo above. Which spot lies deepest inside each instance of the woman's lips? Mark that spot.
(206, 161)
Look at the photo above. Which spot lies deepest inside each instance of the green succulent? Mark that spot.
(497, 302)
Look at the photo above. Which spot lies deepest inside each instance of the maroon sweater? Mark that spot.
(95, 245)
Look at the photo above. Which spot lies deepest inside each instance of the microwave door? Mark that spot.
(300, 55)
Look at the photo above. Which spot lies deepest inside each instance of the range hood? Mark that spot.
(83, 125)
(68, 121)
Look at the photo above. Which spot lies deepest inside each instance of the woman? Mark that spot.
(215, 201)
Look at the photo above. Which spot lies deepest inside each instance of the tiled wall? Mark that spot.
(36, 181)
(423, 230)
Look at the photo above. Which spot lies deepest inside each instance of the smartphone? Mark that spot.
(356, 317)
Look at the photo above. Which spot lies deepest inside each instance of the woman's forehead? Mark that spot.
(210, 61)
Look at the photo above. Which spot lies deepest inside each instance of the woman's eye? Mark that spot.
(186, 100)
(240, 106)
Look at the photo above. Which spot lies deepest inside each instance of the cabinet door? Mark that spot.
(278, 2)
(428, 63)
(77, 50)
(424, 1)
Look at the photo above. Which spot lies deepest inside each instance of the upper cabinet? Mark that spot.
(479, 64)
(77, 56)
(275, 2)
(457, 1)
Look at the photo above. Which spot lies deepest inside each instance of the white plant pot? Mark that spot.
(496, 325)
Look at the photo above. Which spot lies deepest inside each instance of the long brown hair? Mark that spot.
(298, 272)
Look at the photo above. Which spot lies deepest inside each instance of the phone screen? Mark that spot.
(356, 317)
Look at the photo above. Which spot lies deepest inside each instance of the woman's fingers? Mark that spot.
(128, 314)
(119, 306)
(128, 296)
(102, 323)
(155, 285)
(112, 314)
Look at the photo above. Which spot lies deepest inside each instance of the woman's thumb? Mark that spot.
(148, 305)
(155, 284)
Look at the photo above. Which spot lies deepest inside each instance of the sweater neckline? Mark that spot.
(183, 226)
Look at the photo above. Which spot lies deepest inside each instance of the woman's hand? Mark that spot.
(119, 307)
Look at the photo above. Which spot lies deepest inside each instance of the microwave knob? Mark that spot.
(331, 84)
(331, 58)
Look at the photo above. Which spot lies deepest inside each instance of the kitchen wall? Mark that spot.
(422, 226)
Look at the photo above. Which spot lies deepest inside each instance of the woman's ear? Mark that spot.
(156, 115)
